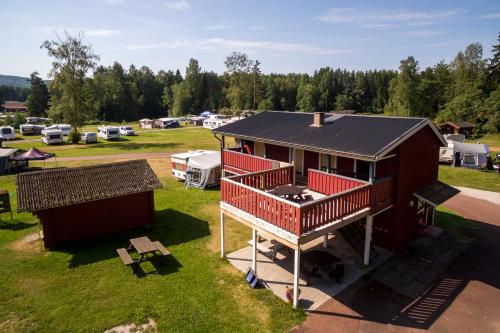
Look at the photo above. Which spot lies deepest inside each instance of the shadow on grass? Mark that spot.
(171, 228)
(15, 226)
(161, 266)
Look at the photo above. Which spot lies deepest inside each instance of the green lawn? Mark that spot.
(86, 288)
(492, 140)
(488, 181)
(168, 140)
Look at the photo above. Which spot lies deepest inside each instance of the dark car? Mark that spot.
(172, 124)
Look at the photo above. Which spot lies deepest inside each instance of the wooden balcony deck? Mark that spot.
(343, 200)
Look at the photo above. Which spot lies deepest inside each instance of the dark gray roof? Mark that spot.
(459, 124)
(68, 186)
(351, 134)
(437, 193)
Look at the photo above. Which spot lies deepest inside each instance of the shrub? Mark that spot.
(18, 119)
(74, 136)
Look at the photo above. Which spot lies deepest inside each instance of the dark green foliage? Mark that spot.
(37, 103)
(74, 136)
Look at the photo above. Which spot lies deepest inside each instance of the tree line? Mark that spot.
(81, 90)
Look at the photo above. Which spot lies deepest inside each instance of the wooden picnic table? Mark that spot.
(315, 260)
(144, 246)
(289, 191)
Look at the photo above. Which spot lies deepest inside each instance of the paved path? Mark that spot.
(493, 197)
(467, 299)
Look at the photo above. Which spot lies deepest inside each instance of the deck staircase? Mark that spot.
(354, 234)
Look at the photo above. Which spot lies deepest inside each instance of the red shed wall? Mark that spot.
(96, 218)
(418, 167)
(278, 153)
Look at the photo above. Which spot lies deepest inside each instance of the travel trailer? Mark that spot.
(30, 129)
(446, 153)
(7, 133)
(146, 123)
(89, 137)
(108, 132)
(64, 128)
(52, 136)
(126, 130)
(179, 162)
(217, 120)
(167, 123)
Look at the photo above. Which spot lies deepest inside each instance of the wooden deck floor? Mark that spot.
(279, 274)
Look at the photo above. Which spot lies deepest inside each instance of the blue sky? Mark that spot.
(286, 36)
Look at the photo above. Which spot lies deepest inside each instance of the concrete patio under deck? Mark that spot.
(279, 274)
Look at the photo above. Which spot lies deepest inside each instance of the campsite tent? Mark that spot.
(203, 170)
(33, 154)
(8, 162)
(472, 155)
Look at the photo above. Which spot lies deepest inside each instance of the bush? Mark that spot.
(18, 119)
(8, 120)
(74, 136)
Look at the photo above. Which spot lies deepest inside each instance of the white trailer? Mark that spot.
(7, 133)
(108, 132)
(52, 136)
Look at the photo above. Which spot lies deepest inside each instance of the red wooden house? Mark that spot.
(376, 170)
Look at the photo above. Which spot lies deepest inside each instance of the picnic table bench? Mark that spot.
(144, 247)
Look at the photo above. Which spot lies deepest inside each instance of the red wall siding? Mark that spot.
(278, 153)
(311, 161)
(345, 166)
(96, 218)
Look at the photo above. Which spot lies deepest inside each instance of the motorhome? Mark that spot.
(217, 120)
(7, 133)
(88, 137)
(108, 132)
(52, 136)
(30, 129)
(64, 128)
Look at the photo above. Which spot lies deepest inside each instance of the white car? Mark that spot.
(89, 137)
(7, 133)
(126, 130)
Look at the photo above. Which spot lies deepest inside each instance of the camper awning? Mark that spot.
(437, 193)
(205, 161)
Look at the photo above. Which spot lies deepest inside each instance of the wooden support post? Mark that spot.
(222, 234)
(325, 241)
(370, 172)
(368, 239)
(296, 272)
(254, 250)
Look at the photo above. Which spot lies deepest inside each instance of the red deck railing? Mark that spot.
(327, 183)
(236, 160)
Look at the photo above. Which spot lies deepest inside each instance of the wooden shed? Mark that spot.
(457, 127)
(91, 201)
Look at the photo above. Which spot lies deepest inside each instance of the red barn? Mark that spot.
(91, 201)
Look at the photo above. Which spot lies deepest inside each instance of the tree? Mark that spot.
(240, 90)
(494, 66)
(73, 59)
(38, 96)
(404, 97)
(307, 95)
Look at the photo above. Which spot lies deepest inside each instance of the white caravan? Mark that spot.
(30, 129)
(180, 161)
(108, 132)
(52, 136)
(218, 120)
(7, 133)
(64, 128)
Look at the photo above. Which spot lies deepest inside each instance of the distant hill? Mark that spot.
(14, 81)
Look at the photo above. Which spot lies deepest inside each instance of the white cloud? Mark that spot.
(216, 27)
(386, 18)
(422, 33)
(491, 16)
(217, 43)
(84, 31)
(178, 4)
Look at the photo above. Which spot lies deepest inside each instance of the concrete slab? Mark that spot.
(277, 275)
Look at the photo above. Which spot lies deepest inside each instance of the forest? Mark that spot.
(467, 88)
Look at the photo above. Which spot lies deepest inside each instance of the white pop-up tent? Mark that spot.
(472, 155)
(203, 170)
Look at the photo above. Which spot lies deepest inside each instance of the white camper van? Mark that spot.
(108, 132)
(7, 133)
(88, 137)
(52, 136)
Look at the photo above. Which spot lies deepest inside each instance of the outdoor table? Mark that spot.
(322, 260)
(143, 246)
(288, 191)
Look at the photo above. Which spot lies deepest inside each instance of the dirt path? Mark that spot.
(470, 289)
(112, 157)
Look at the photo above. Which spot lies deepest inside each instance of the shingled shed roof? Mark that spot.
(52, 188)
(369, 137)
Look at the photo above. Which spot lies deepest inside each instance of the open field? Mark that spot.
(488, 181)
(492, 140)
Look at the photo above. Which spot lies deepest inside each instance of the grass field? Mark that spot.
(86, 288)
(488, 181)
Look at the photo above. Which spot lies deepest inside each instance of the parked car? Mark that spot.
(52, 136)
(172, 124)
(89, 137)
(7, 133)
(126, 130)
(108, 132)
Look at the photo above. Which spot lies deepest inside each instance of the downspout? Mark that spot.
(221, 140)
